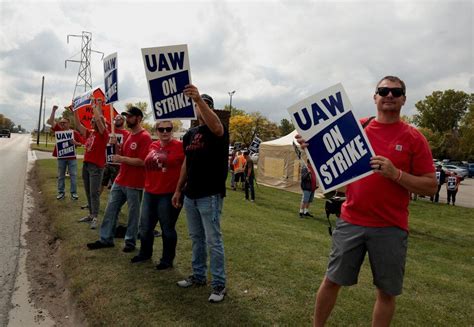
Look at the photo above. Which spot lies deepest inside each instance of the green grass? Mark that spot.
(275, 263)
(47, 142)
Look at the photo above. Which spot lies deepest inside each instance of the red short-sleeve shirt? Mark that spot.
(376, 201)
(136, 146)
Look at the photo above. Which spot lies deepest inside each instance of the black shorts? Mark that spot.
(110, 172)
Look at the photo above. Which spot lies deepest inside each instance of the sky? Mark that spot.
(272, 53)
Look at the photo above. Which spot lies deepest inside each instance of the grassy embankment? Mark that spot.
(275, 262)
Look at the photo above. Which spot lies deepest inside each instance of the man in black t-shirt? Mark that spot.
(249, 176)
(202, 181)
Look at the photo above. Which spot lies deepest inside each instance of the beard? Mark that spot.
(132, 125)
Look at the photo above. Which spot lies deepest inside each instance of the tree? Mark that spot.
(6, 123)
(243, 128)
(235, 111)
(442, 111)
(446, 125)
(286, 127)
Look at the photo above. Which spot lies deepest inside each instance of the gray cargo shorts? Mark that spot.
(387, 248)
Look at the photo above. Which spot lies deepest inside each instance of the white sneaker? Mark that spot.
(94, 223)
(217, 294)
(86, 219)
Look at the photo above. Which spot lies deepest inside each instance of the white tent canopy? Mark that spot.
(278, 165)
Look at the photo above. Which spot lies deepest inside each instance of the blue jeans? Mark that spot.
(92, 177)
(203, 216)
(117, 198)
(158, 207)
(71, 164)
(249, 187)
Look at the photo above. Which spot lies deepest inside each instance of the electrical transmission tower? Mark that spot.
(84, 76)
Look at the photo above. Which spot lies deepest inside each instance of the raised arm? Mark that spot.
(97, 108)
(207, 114)
(50, 120)
(77, 123)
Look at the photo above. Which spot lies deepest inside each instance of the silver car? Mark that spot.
(460, 171)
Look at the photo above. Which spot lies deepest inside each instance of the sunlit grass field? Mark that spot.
(275, 263)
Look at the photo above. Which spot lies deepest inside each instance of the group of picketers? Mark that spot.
(156, 179)
(373, 219)
(242, 173)
(452, 180)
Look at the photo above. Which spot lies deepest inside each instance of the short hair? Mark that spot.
(163, 121)
(394, 79)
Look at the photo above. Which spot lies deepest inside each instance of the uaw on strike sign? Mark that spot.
(65, 144)
(167, 72)
(338, 148)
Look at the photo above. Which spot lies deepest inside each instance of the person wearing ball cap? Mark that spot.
(201, 189)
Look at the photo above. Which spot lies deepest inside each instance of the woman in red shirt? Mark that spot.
(162, 167)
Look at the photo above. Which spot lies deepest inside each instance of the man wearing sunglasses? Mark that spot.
(128, 185)
(69, 164)
(374, 217)
(202, 181)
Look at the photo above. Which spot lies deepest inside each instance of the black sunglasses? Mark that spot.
(163, 129)
(396, 91)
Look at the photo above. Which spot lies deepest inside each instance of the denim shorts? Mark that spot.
(387, 248)
(308, 196)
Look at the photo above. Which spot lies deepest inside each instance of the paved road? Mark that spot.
(13, 154)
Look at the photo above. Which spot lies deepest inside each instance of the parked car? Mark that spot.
(470, 169)
(5, 133)
(462, 172)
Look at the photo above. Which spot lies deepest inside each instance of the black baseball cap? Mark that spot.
(133, 111)
(208, 99)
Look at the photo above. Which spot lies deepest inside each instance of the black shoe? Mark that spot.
(301, 215)
(308, 214)
(128, 248)
(163, 266)
(156, 233)
(98, 245)
(139, 258)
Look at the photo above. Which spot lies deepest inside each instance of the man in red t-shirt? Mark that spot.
(94, 160)
(70, 163)
(111, 170)
(128, 186)
(374, 218)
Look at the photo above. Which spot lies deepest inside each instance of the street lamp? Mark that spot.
(230, 104)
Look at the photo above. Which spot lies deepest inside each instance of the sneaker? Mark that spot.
(94, 223)
(218, 294)
(301, 215)
(139, 258)
(85, 206)
(74, 196)
(163, 266)
(128, 248)
(60, 196)
(308, 215)
(86, 219)
(98, 245)
(156, 233)
(190, 281)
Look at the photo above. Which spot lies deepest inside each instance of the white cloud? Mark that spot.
(272, 53)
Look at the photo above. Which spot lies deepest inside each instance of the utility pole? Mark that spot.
(230, 104)
(84, 75)
(39, 118)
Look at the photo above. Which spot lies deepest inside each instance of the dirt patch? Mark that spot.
(49, 289)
